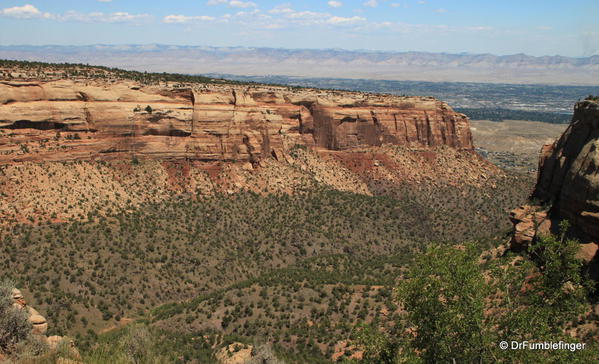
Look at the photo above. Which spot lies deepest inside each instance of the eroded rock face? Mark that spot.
(569, 182)
(528, 224)
(568, 172)
(39, 327)
(38, 322)
(66, 120)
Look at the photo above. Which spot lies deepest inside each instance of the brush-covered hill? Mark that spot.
(247, 209)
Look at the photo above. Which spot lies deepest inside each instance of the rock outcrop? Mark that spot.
(38, 322)
(568, 173)
(84, 119)
(239, 353)
(39, 327)
(235, 353)
(568, 182)
(528, 224)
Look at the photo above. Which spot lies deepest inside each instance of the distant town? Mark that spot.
(480, 101)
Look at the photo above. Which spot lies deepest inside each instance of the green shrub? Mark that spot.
(458, 310)
(136, 344)
(444, 297)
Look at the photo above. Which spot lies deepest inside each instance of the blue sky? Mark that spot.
(536, 27)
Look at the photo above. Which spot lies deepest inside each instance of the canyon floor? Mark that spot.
(514, 144)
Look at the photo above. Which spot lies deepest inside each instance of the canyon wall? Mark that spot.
(568, 173)
(87, 119)
(568, 182)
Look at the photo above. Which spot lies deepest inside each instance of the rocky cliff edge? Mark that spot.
(81, 119)
(567, 185)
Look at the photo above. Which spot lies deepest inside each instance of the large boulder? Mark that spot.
(236, 353)
(38, 322)
(587, 252)
(528, 224)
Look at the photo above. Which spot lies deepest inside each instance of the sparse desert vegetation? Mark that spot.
(346, 251)
(116, 266)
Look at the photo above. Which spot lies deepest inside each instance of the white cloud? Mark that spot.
(284, 16)
(335, 4)
(26, 11)
(441, 10)
(306, 15)
(339, 20)
(282, 9)
(105, 1)
(31, 12)
(233, 3)
(242, 4)
(479, 28)
(371, 3)
(99, 17)
(395, 5)
(247, 13)
(179, 19)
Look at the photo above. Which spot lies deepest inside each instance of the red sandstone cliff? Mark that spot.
(102, 119)
(123, 143)
(568, 171)
(568, 181)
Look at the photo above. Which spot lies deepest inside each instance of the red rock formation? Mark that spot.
(113, 120)
(568, 180)
(568, 175)
(529, 223)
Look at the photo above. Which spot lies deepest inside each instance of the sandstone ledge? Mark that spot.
(75, 120)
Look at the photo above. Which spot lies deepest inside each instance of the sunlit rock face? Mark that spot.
(66, 120)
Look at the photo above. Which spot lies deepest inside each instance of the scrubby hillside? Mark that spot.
(228, 214)
(112, 266)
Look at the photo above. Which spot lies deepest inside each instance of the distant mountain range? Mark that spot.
(417, 66)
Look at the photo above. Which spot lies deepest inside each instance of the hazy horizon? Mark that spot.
(433, 26)
(323, 63)
(357, 50)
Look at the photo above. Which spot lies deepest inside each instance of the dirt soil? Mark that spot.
(514, 144)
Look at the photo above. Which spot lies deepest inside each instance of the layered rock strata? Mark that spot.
(568, 181)
(68, 120)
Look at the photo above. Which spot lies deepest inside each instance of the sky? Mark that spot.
(535, 27)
